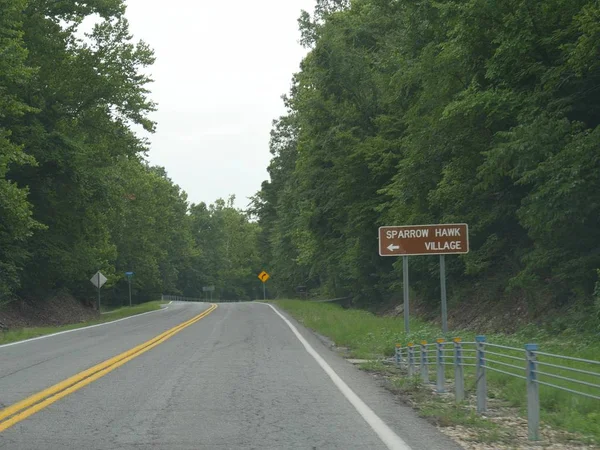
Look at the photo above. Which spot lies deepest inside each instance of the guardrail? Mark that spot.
(536, 368)
(178, 298)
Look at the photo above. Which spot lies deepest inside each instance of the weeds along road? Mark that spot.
(198, 376)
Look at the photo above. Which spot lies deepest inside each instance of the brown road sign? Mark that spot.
(441, 239)
(264, 276)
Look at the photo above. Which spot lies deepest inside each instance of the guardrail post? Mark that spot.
(411, 359)
(424, 367)
(398, 355)
(440, 366)
(481, 380)
(459, 376)
(533, 393)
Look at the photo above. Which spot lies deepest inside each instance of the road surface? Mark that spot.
(238, 378)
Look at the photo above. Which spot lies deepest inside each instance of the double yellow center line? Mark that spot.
(25, 408)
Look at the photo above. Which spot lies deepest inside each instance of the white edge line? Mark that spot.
(385, 433)
(81, 328)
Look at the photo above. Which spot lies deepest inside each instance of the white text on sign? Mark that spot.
(422, 233)
(423, 239)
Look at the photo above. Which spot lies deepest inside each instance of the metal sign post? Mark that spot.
(405, 287)
(208, 290)
(442, 239)
(129, 275)
(443, 290)
(264, 276)
(302, 291)
(98, 280)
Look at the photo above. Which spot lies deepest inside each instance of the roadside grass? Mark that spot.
(445, 413)
(120, 313)
(109, 309)
(367, 336)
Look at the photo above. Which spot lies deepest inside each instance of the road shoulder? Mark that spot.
(403, 420)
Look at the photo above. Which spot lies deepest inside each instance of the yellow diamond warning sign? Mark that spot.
(263, 276)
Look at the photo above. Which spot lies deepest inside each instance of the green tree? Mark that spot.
(87, 93)
(150, 230)
(16, 223)
(228, 255)
(434, 112)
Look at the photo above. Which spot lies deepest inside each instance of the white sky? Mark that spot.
(221, 69)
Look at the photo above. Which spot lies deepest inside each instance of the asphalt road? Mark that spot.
(239, 378)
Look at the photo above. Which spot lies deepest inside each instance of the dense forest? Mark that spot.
(419, 112)
(76, 194)
(402, 112)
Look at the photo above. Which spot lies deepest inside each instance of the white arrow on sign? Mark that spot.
(393, 247)
(98, 279)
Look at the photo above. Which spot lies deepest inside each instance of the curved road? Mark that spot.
(239, 378)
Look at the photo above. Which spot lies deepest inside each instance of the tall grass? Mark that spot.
(369, 336)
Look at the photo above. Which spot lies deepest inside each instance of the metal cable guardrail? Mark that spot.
(495, 369)
(505, 347)
(504, 364)
(586, 372)
(596, 397)
(486, 357)
(178, 298)
(570, 358)
(552, 375)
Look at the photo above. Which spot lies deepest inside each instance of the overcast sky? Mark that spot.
(220, 72)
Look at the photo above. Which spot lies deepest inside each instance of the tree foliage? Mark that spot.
(402, 113)
(76, 194)
(16, 222)
(229, 258)
(432, 112)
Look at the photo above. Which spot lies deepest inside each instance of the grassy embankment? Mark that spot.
(120, 313)
(371, 337)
